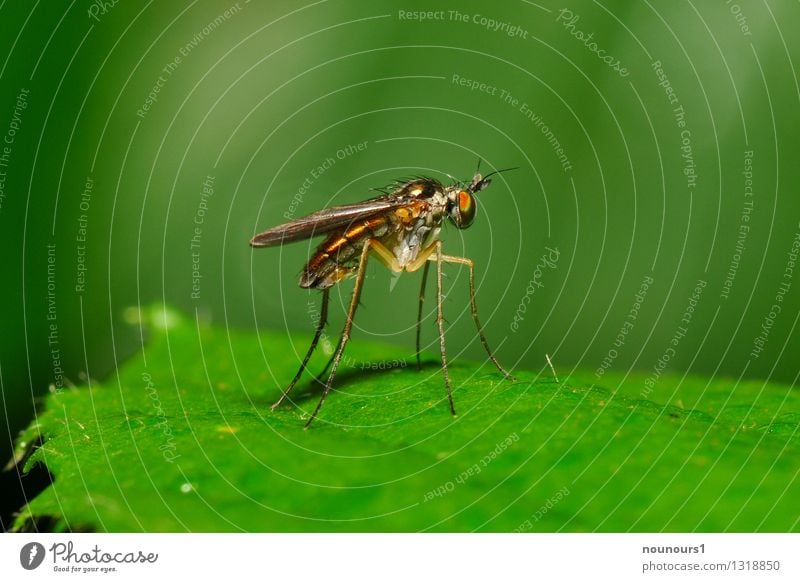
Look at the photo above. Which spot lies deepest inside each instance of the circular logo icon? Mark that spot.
(31, 555)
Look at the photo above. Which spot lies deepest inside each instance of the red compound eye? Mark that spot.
(466, 208)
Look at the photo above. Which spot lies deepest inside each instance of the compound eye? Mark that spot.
(466, 208)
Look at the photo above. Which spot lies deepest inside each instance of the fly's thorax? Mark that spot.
(420, 221)
(422, 188)
(407, 242)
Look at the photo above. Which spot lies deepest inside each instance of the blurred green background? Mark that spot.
(145, 143)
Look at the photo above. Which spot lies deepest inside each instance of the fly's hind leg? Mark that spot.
(434, 253)
(386, 257)
(348, 325)
(419, 310)
(323, 319)
(440, 324)
(319, 378)
(474, 308)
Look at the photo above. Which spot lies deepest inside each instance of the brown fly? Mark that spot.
(401, 228)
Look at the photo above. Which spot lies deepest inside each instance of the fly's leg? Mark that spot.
(318, 378)
(348, 324)
(387, 258)
(474, 307)
(419, 311)
(323, 319)
(440, 324)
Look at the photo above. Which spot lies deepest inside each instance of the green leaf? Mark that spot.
(182, 438)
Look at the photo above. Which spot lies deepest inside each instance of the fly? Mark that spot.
(401, 229)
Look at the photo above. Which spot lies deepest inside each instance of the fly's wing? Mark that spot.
(325, 220)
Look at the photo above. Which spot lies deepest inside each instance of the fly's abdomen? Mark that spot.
(337, 257)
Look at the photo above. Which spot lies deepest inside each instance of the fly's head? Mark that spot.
(461, 200)
(461, 203)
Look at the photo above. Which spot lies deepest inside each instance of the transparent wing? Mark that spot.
(326, 220)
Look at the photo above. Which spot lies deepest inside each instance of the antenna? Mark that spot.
(499, 171)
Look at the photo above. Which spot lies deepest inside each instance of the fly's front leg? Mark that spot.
(474, 308)
(440, 324)
(318, 377)
(387, 258)
(348, 325)
(323, 319)
(419, 310)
